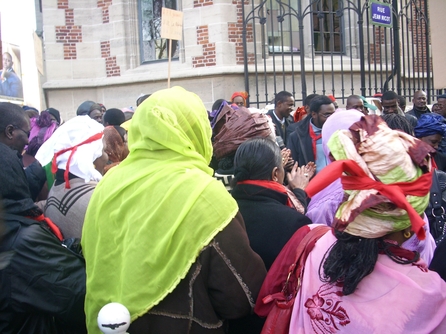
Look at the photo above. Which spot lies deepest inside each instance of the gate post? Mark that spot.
(396, 45)
(303, 79)
(361, 47)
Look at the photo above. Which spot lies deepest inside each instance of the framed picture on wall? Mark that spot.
(10, 73)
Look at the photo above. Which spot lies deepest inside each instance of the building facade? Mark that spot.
(111, 52)
(93, 51)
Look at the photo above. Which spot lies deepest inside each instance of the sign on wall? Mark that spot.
(380, 14)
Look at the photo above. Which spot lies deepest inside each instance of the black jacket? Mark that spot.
(417, 113)
(43, 286)
(300, 143)
(269, 222)
(438, 262)
(281, 129)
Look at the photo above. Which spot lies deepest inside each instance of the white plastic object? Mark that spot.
(114, 318)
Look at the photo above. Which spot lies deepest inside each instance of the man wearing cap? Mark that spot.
(55, 115)
(91, 109)
(389, 102)
(419, 104)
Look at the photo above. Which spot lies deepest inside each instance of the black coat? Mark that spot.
(438, 263)
(43, 286)
(301, 144)
(269, 222)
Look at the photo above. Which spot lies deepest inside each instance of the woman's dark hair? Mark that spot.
(398, 122)
(351, 258)
(255, 159)
(217, 104)
(121, 131)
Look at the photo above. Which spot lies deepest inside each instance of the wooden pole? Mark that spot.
(170, 58)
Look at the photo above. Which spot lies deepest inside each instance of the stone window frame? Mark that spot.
(152, 47)
(334, 28)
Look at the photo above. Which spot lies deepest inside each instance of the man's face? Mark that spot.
(7, 61)
(96, 115)
(390, 106)
(441, 107)
(320, 117)
(419, 100)
(355, 103)
(20, 135)
(285, 108)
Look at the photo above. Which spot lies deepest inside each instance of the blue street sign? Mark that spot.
(380, 13)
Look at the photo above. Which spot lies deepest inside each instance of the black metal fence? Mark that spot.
(332, 47)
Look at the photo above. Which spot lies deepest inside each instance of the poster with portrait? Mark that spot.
(11, 87)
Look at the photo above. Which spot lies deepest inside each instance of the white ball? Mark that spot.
(114, 318)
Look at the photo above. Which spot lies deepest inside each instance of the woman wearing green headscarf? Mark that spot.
(164, 238)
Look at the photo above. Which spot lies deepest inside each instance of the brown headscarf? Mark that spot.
(115, 147)
(233, 127)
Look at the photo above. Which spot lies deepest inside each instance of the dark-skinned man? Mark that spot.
(305, 142)
(284, 105)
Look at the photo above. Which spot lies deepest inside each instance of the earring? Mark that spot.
(407, 234)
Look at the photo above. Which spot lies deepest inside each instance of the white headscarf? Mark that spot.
(72, 133)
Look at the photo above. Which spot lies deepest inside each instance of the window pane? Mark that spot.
(327, 26)
(153, 46)
(281, 35)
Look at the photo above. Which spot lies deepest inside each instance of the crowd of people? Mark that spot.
(193, 219)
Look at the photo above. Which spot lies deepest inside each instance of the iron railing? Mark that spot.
(335, 49)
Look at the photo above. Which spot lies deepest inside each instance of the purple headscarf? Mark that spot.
(42, 128)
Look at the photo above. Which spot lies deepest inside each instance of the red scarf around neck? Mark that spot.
(273, 185)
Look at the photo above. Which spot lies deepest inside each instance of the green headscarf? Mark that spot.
(150, 217)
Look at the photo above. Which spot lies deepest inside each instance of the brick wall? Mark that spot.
(209, 55)
(69, 34)
(377, 53)
(235, 30)
(235, 36)
(111, 67)
(417, 27)
(104, 4)
(202, 3)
